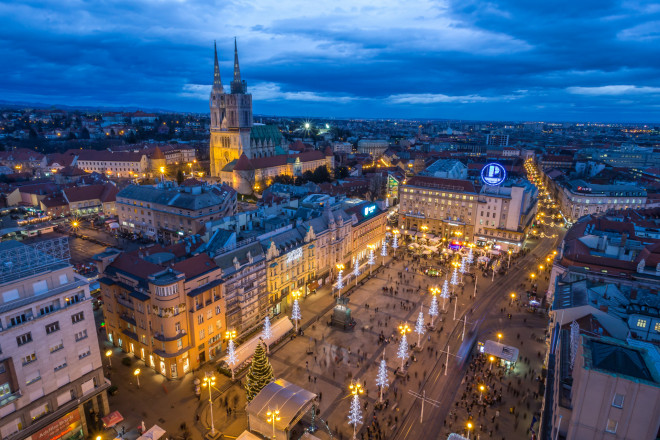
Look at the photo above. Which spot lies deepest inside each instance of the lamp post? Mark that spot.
(209, 382)
(513, 297)
(108, 354)
(481, 392)
(136, 373)
(162, 174)
(272, 417)
(469, 428)
(508, 264)
(499, 337)
(491, 359)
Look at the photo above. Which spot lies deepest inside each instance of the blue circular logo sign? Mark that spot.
(493, 174)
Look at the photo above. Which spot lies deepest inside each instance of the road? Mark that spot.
(444, 388)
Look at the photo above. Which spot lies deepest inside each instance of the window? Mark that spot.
(63, 279)
(84, 353)
(200, 318)
(77, 317)
(618, 400)
(611, 426)
(641, 323)
(177, 326)
(53, 327)
(40, 287)
(10, 295)
(209, 314)
(57, 347)
(81, 335)
(657, 327)
(201, 334)
(24, 339)
(32, 378)
(217, 312)
(60, 366)
(29, 358)
(46, 309)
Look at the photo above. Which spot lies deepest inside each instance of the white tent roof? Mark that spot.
(247, 435)
(501, 351)
(289, 398)
(245, 351)
(153, 433)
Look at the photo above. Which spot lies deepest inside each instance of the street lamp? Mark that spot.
(481, 392)
(469, 428)
(491, 359)
(540, 267)
(499, 337)
(108, 354)
(272, 417)
(209, 381)
(136, 373)
(513, 297)
(508, 264)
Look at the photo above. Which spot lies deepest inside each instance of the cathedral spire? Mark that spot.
(237, 86)
(217, 81)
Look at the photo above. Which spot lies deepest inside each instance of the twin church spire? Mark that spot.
(237, 85)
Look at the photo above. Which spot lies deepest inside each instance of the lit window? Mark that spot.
(657, 327)
(611, 426)
(641, 323)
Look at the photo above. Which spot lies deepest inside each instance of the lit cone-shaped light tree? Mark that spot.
(372, 259)
(454, 279)
(295, 311)
(470, 257)
(260, 373)
(419, 327)
(463, 267)
(395, 243)
(445, 294)
(402, 352)
(356, 270)
(383, 251)
(381, 378)
(340, 280)
(231, 353)
(433, 310)
(267, 333)
(355, 413)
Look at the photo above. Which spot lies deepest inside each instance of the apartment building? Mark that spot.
(91, 199)
(368, 223)
(447, 207)
(168, 213)
(51, 376)
(123, 164)
(243, 268)
(504, 215)
(333, 236)
(578, 198)
(291, 265)
(164, 306)
(603, 388)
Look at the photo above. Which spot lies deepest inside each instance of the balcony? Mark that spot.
(127, 318)
(8, 398)
(162, 338)
(125, 302)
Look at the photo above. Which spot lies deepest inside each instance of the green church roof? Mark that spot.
(266, 132)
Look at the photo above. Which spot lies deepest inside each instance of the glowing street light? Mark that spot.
(508, 264)
(499, 337)
(469, 427)
(108, 354)
(492, 360)
(209, 382)
(513, 297)
(272, 417)
(136, 373)
(481, 392)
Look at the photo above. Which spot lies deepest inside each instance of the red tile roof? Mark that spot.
(195, 266)
(105, 193)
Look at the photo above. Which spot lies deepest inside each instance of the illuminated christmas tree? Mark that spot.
(295, 312)
(445, 294)
(231, 357)
(419, 327)
(433, 310)
(260, 373)
(381, 378)
(355, 413)
(356, 270)
(402, 352)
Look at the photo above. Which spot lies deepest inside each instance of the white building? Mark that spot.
(504, 214)
(578, 198)
(114, 163)
(375, 147)
(51, 376)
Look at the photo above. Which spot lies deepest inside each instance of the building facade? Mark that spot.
(368, 223)
(168, 313)
(578, 198)
(169, 213)
(122, 164)
(51, 376)
(447, 207)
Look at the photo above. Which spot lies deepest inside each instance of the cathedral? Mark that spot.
(233, 132)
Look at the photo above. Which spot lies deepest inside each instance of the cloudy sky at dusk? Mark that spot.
(593, 60)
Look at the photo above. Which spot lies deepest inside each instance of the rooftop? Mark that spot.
(614, 357)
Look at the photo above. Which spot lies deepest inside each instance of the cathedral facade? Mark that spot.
(233, 132)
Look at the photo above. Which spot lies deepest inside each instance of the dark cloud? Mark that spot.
(512, 59)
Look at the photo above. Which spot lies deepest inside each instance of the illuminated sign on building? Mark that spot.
(369, 210)
(294, 255)
(493, 174)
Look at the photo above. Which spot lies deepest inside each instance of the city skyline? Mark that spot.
(589, 61)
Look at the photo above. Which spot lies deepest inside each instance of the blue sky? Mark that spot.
(574, 60)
